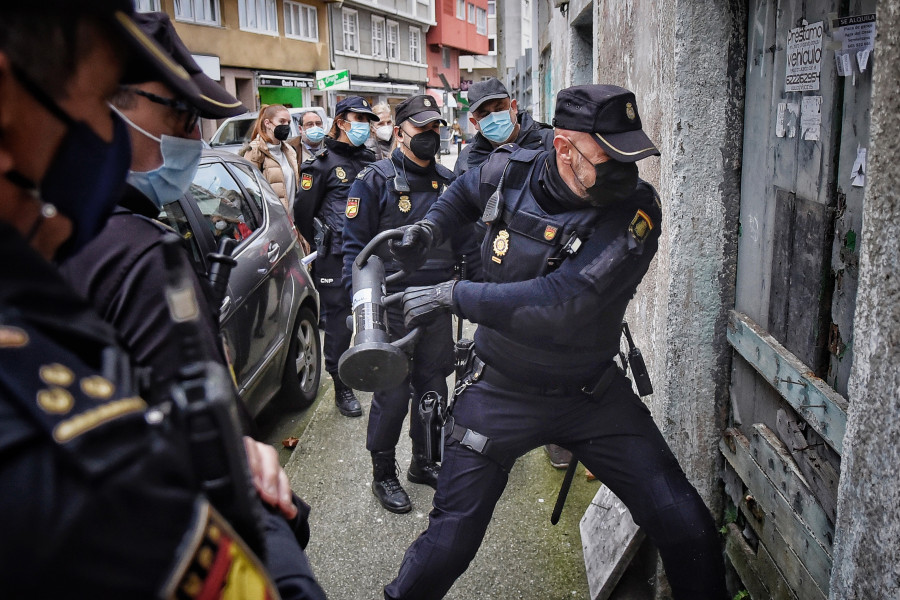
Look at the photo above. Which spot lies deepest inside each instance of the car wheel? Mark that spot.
(303, 367)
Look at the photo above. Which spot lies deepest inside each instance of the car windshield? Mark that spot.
(236, 131)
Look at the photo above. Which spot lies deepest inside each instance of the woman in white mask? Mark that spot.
(382, 142)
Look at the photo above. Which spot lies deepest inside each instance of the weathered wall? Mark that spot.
(867, 553)
(685, 63)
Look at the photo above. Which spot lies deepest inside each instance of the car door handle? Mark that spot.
(274, 248)
(226, 304)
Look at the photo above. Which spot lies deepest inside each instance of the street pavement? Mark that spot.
(356, 546)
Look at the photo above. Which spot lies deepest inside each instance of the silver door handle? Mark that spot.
(273, 251)
(226, 304)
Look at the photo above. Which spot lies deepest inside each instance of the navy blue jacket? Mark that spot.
(532, 134)
(550, 324)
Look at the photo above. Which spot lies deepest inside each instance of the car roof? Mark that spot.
(224, 155)
(293, 111)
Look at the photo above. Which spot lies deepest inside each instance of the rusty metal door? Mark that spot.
(792, 327)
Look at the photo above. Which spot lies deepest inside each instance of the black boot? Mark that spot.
(344, 399)
(386, 486)
(422, 470)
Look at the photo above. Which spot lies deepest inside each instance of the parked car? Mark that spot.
(270, 314)
(235, 131)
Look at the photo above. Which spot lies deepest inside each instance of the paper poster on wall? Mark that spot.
(811, 118)
(804, 57)
(857, 37)
(858, 173)
(786, 119)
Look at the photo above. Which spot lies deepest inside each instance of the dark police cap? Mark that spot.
(610, 113)
(198, 89)
(419, 110)
(355, 104)
(481, 92)
(147, 58)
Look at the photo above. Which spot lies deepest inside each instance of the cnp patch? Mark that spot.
(404, 205)
(641, 225)
(550, 232)
(500, 246)
(341, 174)
(352, 207)
(306, 181)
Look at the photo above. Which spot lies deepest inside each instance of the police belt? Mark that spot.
(481, 443)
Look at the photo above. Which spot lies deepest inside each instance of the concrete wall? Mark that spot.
(867, 553)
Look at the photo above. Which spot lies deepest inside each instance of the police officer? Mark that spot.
(572, 233)
(319, 214)
(106, 501)
(498, 121)
(388, 194)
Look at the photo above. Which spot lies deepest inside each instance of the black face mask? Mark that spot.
(282, 132)
(425, 145)
(86, 176)
(614, 181)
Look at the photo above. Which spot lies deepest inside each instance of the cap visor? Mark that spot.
(628, 146)
(364, 111)
(214, 102)
(474, 106)
(425, 117)
(149, 62)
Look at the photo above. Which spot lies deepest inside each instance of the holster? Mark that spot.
(322, 237)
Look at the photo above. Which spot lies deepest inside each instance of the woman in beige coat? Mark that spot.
(269, 152)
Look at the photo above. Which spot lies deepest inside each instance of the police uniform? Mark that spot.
(558, 277)
(324, 185)
(375, 205)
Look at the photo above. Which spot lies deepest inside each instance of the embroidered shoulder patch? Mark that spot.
(352, 207)
(640, 227)
(306, 181)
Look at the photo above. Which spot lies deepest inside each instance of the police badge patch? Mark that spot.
(352, 207)
(306, 181)
(340, 174)
(640, 226)
(404, 205)
(550, 232)
(500, 246)
(434, 184)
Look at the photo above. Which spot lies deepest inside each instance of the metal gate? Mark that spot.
(806, 129)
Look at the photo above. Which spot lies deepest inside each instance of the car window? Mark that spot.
(222, 202)
(172, 214)
(235, 131)
(245, 174)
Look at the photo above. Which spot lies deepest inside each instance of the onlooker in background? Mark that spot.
(269, 152)
(383, 141)
(312, 133)
(498, 121)
(456, 131)
(319, 212)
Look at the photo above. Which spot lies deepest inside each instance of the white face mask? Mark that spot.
(384, 133)
(220, 225)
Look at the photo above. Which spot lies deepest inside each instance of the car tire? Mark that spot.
(303, 367)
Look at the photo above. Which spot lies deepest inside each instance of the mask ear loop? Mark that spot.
(134, 125)
(574, 147)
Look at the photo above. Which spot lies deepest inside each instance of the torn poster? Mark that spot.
(857, 37)
(786, 119)
(858, 174)
(811, 118)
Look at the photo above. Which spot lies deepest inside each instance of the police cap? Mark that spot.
(205, 95)
(355, 104)
(481, 92)
(419, 110)
(610, 113)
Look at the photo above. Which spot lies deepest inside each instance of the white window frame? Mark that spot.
(492, 8)
(415, 49)
(392, 46)
(352, 35)
(379, 49)
(258, 16)
(208, 10)
(471, 13)
(461, 10)
(147, 6)
(480, 21)
(310, 13)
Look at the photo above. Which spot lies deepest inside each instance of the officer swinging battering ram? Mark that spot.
(571, 234)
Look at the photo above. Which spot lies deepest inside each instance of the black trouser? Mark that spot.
(335, 303)
(432, 362)
(614, 436)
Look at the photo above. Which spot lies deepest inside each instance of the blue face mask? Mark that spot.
(497, 126)
(315, 134)
(181, 158)
(359, 132)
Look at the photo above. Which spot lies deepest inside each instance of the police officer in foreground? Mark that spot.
(388, 194)
(106, 498)
(319, 214)
(498, 121)
(572, 233)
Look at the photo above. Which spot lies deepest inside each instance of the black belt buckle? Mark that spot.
(474, 441)
(598, 389)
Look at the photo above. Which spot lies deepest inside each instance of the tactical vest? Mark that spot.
(406, 198)
(339, 171)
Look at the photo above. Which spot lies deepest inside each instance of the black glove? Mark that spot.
(412, 250)
(422, 305)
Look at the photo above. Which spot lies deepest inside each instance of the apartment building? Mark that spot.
(262, 51)
(382, 44)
